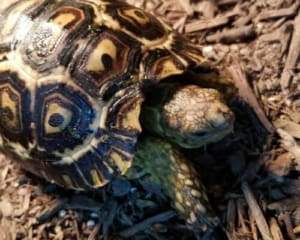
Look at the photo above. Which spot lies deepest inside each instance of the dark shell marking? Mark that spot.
(70, 84)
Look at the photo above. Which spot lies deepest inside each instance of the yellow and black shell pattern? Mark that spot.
(71, 80)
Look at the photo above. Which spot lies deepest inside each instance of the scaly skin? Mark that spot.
(191, 117)
(165, 165)
(188, 115)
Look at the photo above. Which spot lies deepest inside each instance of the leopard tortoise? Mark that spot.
(74, 75)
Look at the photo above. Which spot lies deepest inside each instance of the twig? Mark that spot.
(76, 230)
(227, 2)
(275, 230)
(282, 35)
(290, 144)
(206, 24)
(186, 5)
(165, 216)
(293, 55)
(284, 12)
(289, 226)
(291, 127)
(59, 205)
(256, 212)
(247, 94)
(231, 218)
(109, 217)
(76, 203)
(232, 35)
(242, 217)
(297, 230)
(253, 226)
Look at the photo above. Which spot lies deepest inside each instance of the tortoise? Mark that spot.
(74, 75)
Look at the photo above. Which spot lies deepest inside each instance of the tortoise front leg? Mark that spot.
(165, 165)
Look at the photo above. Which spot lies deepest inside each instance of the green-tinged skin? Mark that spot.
(187, 115)
(165, 165)
(191, 117)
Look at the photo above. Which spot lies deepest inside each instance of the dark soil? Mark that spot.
(252, 176)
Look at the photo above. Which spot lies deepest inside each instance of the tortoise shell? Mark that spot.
(72, 74)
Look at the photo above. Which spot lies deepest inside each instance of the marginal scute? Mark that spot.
(68, 181)
(124, 102)
(113, 145)
(191, 54)
(159, 64)
(120, 162)
(130, 119)
(135, 16)
(101, 171)
(14, 107)
(81, 173)
(137, 23)
(68, 17)
(11, 116)
(96, 177)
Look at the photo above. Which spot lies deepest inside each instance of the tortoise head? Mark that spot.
(188, 114)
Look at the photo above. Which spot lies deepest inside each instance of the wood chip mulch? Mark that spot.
(252, 176)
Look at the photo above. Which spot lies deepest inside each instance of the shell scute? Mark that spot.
(159, 64)
(45, 44)
(108, 57)
(15, 101)
(75, 110)
(137, 23)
